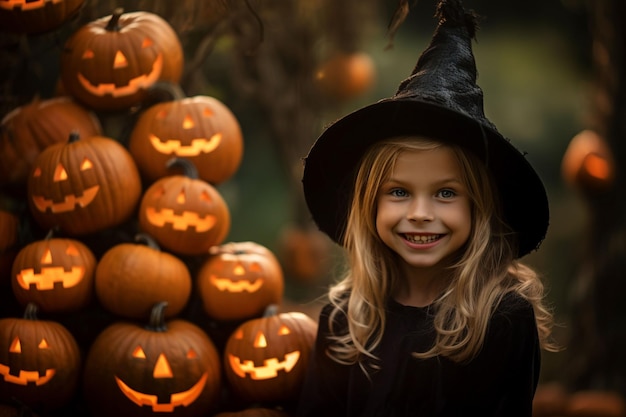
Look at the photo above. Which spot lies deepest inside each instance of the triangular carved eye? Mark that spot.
(259, 340)
(255, 267)
(43, 344)
(120, 60)
(47, 257)
(88, 54)
(59, 173)
(147, 42)
(180, 199)
(207, 112)
(191, 354)
(238, 334)
(86, 164)
(188, 122)
(71, 250)
(16, 346)
(283, 330)
(204, 196)
(139, 353)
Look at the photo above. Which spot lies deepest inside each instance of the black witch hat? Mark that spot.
(440, 100)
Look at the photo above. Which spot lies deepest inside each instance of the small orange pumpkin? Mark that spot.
(29, 129)
(111, 63)
(239, 281)
(39, 361)
(167, 367)
(201, 129)
(345, 75)
(55, 273)
(132, 277)
(83, 186)
(265, 359)
(588, 162)
(183, 213)
(9, 227)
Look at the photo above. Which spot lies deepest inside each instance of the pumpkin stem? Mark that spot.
(74, 136)
(157, 317)
(31, 311)
(147, 240)
(113, 24)
(188, 167)
(271, 310)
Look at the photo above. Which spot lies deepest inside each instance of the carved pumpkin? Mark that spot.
(239, 280)
(588, 162)
(110, 63)
(183, 213)
(83, 186)
(55, 273)
(130, 278)
(29, 129)
(265, 359)
(36, 16)
(201, 129)
(171, 368)
(39, 361)
(344, 76)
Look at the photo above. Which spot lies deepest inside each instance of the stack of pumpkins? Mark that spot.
(81, 187)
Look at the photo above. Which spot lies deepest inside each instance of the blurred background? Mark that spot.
(552, 74)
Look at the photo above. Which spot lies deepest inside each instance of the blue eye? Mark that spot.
(446, 193)
(398, 192)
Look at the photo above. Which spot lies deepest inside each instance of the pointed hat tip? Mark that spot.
(453, 13)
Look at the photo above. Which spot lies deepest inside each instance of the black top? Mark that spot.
(500, 381)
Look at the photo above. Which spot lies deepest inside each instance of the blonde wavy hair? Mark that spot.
(485, 271)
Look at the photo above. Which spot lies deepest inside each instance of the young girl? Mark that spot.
(435, 316)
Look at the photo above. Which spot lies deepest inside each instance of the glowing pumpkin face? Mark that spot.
(110, 63)
(83, 186)
(36, 16)
(185, 215)
(265, 359)
(165, 368)
(239, 281)
(201, 129)
(39, 361)
(56, 274)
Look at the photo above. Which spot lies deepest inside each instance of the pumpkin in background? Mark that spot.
(132, 277)
(595, 403)
(29, 129)
(167, 367)
(183, 213)
(254, 412)
(239, 281)
(111, 62)
(39, 361)
(83, 186)
(201, 129)
(265, 359)
(54, 273)
(588, 162)
(345, 75)
(304, 253)
(9, 227)
(36, 16)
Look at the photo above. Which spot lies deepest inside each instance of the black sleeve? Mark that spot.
(324, 389)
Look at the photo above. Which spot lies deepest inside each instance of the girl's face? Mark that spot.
(423, 209)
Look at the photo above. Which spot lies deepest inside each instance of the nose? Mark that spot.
(421, 209)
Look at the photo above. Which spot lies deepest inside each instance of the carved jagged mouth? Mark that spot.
(135, 84)
(69, 202)
(180, 221)
(48, 276)
(268, 370)
(177, 399)
(24, 377)
(196, 147)
(225, 284)
(26, 5)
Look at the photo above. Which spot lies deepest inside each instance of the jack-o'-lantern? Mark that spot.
(39, 361)
(265, 359)
(55, 273)
(588, 162)
(239, 280)
(111, 63)
(345, 75)
(171, 368)
(201, 129)
(29, 129)
(131, 277)
(36, 16)
(183, 213)
(83, 186)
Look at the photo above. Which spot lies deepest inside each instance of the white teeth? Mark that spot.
(422, 238)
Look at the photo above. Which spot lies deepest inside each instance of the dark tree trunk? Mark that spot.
(598, 338)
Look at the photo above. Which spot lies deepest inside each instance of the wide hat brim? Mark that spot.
(330, 167)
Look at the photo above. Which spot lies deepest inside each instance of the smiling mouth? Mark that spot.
(422, 239)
